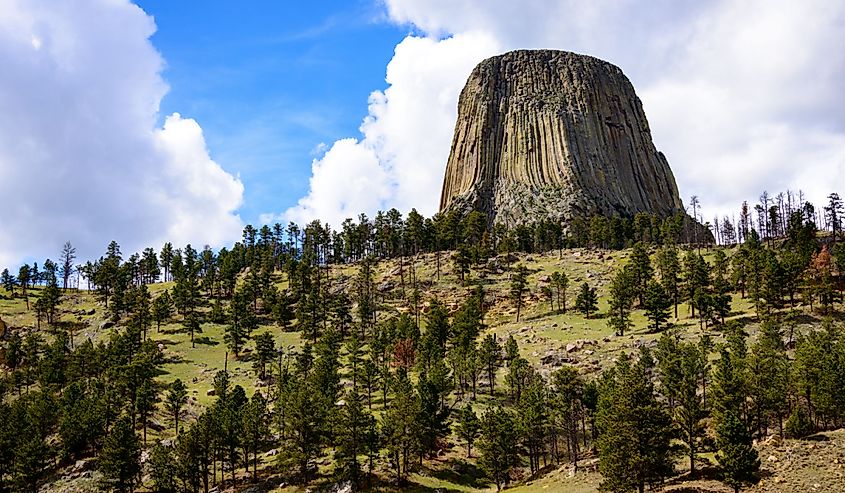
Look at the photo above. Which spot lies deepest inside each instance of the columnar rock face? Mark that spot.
(552, 134)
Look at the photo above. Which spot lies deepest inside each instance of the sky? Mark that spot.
(183, 121)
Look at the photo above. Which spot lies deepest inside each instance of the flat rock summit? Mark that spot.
(545, 134)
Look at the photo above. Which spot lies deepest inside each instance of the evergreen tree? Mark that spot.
(67, 258)
(669, 267)
(24, 281)
(120, 457)
(146, 398)
(567, 402)
(696, 280)
(641, 271)
(622, 291)
(8, 281)
(432, 412)
(162, 309)
(730, 388)
(560, 282)
(176, 398)
(736, 454)
(489, 353)
(587, 301)
(533, 420)
(354, 424)
(301, 426)
(192, 326)
(518, 287)
(163, 468)
(690, 409)
(833, 212)
(798, 425)
(498, 445)
(656, 304)
(468, 427)
(265, 352)
(242, 322)
(768, 377)
(400, 428)
(634, 430)
(29, 460)
(255, 430)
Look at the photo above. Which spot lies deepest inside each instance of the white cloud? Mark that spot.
(81, 158)
(404, 136)
(741, 96)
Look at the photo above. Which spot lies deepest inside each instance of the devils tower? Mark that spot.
(552, 134)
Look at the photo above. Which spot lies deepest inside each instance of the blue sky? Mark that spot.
(270, 81)
(184, 120)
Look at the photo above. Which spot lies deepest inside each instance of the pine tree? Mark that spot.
(146, 398)
(163, 468)
(489, 353)
(768, 377)
(30, 458)
(265, 352)
(567, 402)
(66, 258)
(518, 287)
(533, 420)
(255, 430)
(354, 423)
(242, 322)
(690, 409)
(24, 281)
(622, 290)
(162, 309)
(656, 304)
(141, 311)
(669, 267)
(400, 428)
(120, 457)
(641, 271)
(302, 422)
(468, 427)
(696, 280)
(192, 326)
(8, 281)
(634, 430)
(736, 454)
(729, 396)
(587, 301)
(560, 282)
(498, 445)
(177, 396)
(432, 411)
(833, 212)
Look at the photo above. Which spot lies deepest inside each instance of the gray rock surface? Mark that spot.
(553, 134)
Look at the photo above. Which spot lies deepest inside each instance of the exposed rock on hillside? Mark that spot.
(554, 134)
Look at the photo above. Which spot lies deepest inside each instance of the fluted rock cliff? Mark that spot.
(553, 134)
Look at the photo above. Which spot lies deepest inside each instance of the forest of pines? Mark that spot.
(387, 379)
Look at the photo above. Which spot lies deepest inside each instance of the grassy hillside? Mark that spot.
(548, 339)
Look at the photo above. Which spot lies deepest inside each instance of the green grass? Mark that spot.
(539, 331)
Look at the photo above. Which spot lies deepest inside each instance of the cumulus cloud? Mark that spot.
(405, 139)
(741, 96)
(81, 158)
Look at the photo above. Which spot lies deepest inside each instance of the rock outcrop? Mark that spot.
(553, 134)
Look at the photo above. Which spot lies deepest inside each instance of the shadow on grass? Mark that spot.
(460, 472)
(818, 437)
(166, 342)
(205, 341)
